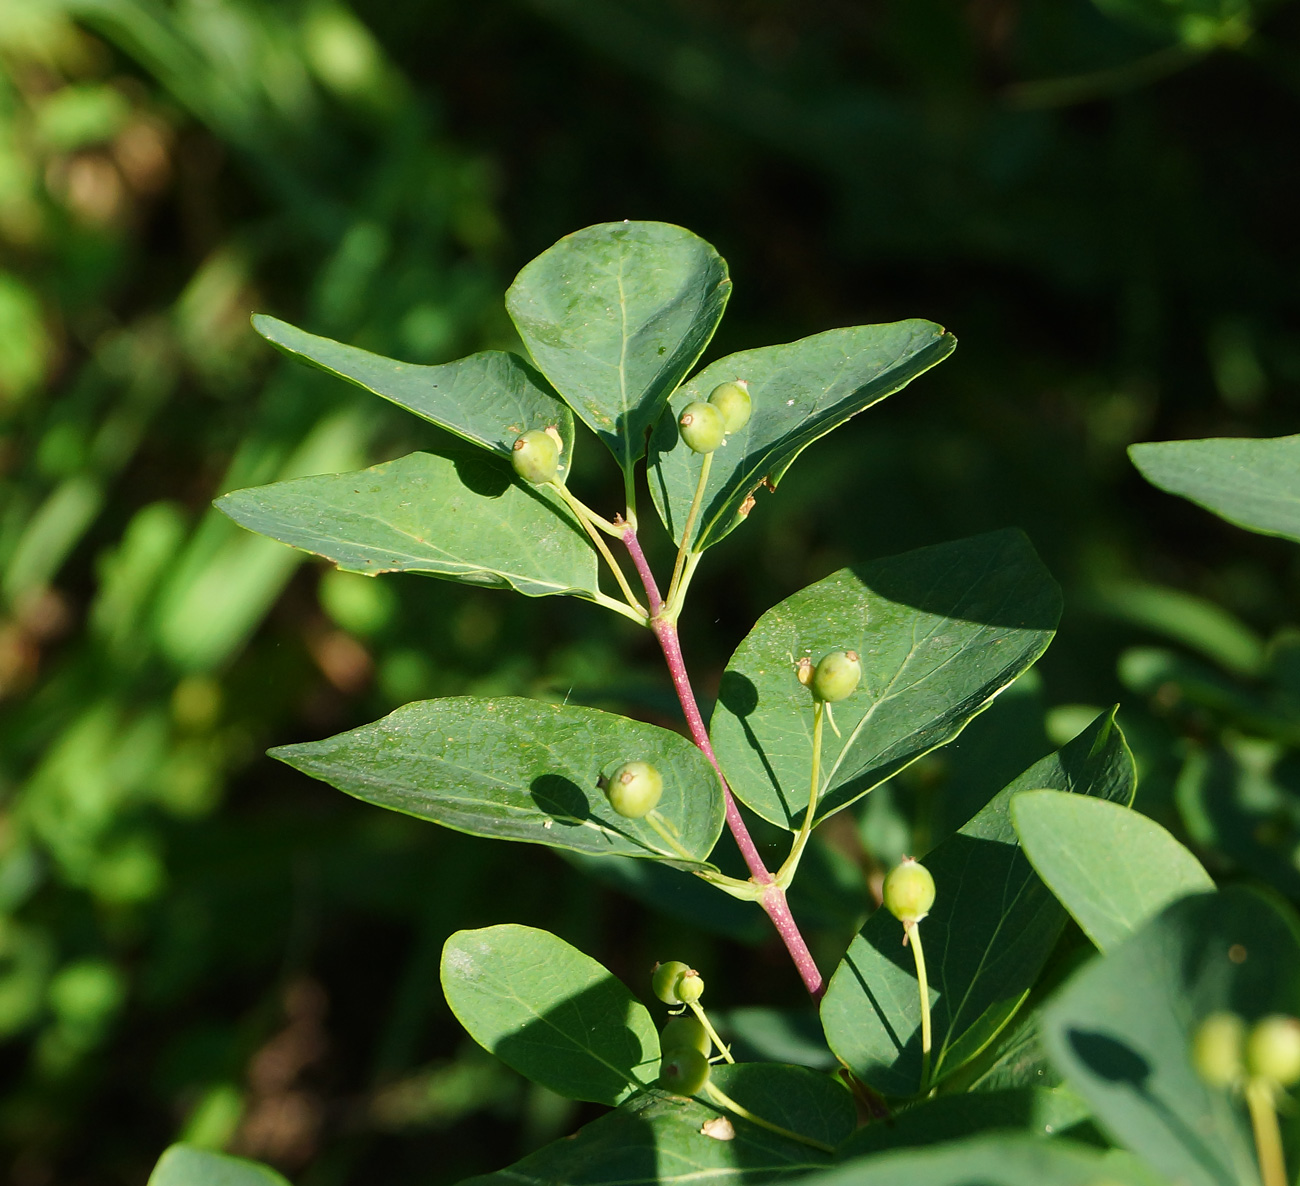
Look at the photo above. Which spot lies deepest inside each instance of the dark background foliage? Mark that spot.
(1098, 199)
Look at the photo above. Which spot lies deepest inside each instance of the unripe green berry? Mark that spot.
(909, 891)
(702, 426)
(837, 676)
(732, 400)
(1216, 1049)
(535, 456)
(683, 1070)
(691, 986)
(666, 981)
(634, 789)
(1273, 1050)
(686, 1030)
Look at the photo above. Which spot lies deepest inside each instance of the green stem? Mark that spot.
(708, 1029)
(786, 873)
(660, 825)
(590, 521)
(690, 526)
(724, 1100)
(632, 613)
(913, 932)
(1268, 1138)
(674, 607)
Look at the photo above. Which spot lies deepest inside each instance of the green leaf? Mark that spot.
(1252, 483)
(800, 392)
(553, 1014)
(615, 316)
(1006, 1160)
(1044, 1111)
(459, 516)
(656, 1138)
(184, 1165)
(941, 631)
(797, 1098)
(487, 399)
(516, 769)
(986, 939)
(1111, 867)
(1121, 1029)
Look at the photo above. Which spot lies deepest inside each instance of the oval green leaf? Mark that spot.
(940, 631)
(615, 316)
(1002, 1160)
(800, 392)
(1111, 867)
(488, 399)
(184, 1165)
(991, 929)
(657, 1139)
(552, 1013)
(462, 517)
(1121, 1029)
(1252, 483)
(517, 769)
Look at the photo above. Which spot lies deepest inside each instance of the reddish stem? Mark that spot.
(773, 900)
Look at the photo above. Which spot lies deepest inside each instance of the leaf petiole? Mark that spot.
(590, 522)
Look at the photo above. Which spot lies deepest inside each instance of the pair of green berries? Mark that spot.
(685, 1043)
(835, 678)
(703, 425)
(1225, 1054)
(535, 454)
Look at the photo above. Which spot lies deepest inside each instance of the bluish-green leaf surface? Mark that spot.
(518, 769)
(800, 392)
(184, 1165)
(552, 1013)
(1121, 1029)
(986, 939)
(656, 1138)
(940, 632)
(1252, 483)
(1111, 867)
(460, 516)
(1044, 1111)
(488, 398)
(615, 316)
(1003, 1160)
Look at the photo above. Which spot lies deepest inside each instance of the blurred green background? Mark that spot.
(1097, 198)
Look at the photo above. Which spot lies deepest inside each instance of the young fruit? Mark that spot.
(686, 1030)
(702, 427)
(909, 891)
(837, 676)
(634, 789)
(691, 986)
(1216, 1049)
(535, 456)
(1273, 1050)
(683, 1070)
(665, 977)
(732, 400)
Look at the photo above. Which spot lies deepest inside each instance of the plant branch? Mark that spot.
(703, 1019)
(590, 521)
(772, 898)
